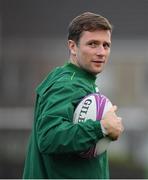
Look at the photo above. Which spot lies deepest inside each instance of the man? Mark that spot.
(56, 142)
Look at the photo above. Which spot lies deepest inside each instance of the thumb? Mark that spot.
(113, 108)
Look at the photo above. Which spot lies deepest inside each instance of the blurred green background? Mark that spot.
(33, 35)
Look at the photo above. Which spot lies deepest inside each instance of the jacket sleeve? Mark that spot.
(54, 127)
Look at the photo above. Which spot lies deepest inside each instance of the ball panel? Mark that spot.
(108, 105)
(101, 146)
(86, 110)
(100, 101)
(93, 106)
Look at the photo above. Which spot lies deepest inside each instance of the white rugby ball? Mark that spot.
(94, 107)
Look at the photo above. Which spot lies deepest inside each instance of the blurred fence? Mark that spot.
(128, 156)
(25, 62)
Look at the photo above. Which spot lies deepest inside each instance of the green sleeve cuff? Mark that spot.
(99, 130)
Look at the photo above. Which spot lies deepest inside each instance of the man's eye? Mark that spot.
(106, 45)
(92, 44)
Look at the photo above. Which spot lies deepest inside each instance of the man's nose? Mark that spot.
(100, 50)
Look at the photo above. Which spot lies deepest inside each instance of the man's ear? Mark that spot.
(72, 47)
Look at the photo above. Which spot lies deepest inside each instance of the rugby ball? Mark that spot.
(94, 107)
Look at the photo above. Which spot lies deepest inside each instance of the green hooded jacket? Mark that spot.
(56, 142)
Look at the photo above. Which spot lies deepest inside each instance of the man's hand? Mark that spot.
(112, 124)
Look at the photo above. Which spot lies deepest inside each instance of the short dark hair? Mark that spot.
(87, 22)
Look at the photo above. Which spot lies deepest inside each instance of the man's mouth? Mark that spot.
(99, 61)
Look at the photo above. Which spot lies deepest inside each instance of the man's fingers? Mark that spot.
(119, 118)
(122, 127)
(113, 108)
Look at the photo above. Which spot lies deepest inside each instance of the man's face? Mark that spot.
(92, 52)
